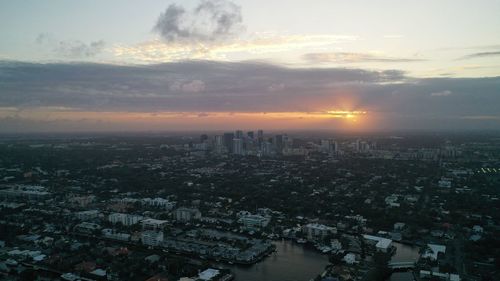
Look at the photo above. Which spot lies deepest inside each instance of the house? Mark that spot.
(432, 251)
(381, 244)
(399, 226)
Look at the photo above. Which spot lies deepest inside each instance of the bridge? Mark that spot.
(401, 265)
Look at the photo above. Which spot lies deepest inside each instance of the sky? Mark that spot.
(221, 65)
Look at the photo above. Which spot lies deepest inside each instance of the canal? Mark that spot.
(291, 262)
(296, 262)
(404, 253)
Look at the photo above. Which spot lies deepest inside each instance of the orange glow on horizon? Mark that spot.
(331, 119)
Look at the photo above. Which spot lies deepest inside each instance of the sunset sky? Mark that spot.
(353, 65)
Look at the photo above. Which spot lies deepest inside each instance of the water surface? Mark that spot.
(292, 262)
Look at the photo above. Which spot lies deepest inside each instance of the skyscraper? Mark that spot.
(260, 137)
(238, 146)
(228, 141)
(239, 134)
(278, 142)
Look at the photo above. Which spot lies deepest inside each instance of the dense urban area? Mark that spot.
(208, 206)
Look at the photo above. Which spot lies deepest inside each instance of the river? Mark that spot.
(404, 253)
(295, 262)
(291, 262)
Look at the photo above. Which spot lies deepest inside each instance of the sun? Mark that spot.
(346, 114)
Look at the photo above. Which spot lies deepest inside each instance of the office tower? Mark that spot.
(357, 145)
(260, 137)
(239, 134)
(219, 144)
(228, 141)
(238, 146)
(250, 135)
(328, 146)
(278, 143)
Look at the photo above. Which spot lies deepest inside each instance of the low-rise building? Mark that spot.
(124, 219)
(381, 244)
(254, 221)
(315, 231)
(187, 214)
(153, 224)
(151, 237)
(87, 215)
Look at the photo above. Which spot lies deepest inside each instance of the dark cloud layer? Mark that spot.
(201, 86)
(208, 21)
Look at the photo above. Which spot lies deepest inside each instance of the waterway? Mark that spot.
(291, 262)
(404, 253)
(296, 262)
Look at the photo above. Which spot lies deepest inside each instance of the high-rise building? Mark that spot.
(239, 134)
(250, 135)
(328, 146)
(278, 143)
(228, 141)
(260, 137)
(219, 144)
(238, 146)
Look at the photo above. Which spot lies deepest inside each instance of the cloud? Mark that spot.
(256, 45)
(481, 55)
(345, 57)
(207, 87)
(70, 48)
(441, 94)
(208, 21)
(78, 49)
(243, 86)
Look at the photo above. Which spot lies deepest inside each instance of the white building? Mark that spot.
(382, 244)
(208, 274)
(432, 251)
(315, 231)
(124, 219)
(254, 221)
